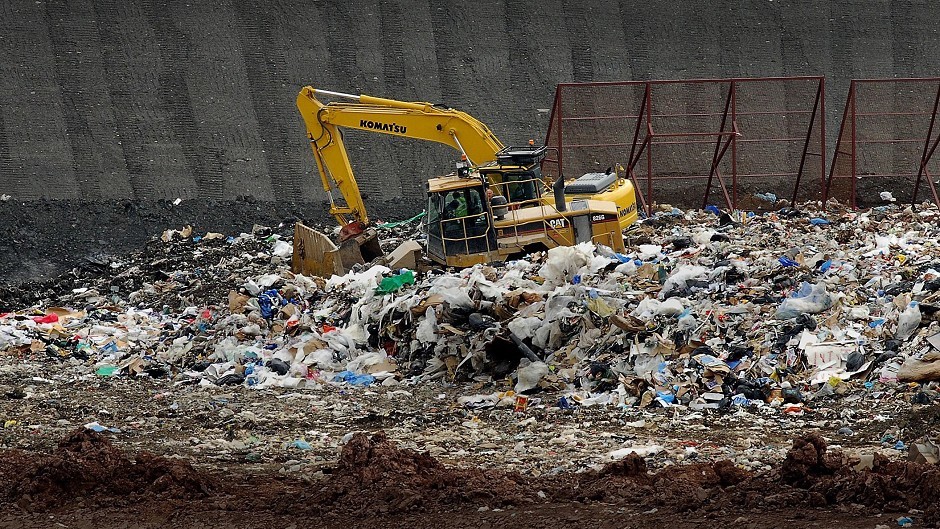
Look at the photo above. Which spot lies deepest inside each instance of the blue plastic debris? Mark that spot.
(713, 209)
(268, 301)
(301, 444)
(666, 396)
(905, 521)
(95, 427)
(825, 266)
(787, 262)
(353, 379)
(819, 221)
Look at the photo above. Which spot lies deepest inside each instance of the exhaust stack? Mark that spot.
(559, 190)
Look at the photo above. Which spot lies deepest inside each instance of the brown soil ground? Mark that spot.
(88, 482)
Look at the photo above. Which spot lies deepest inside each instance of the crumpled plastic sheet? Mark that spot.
(810, 299)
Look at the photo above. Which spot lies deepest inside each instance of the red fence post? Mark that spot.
(853, 96)
(761, 147)
(823, 154)
(649, 149)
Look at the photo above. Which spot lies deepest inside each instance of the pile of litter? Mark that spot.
(708, 310)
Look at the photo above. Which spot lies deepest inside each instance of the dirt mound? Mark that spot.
(811, 476)
(807, 460)
(44, 243)
(87, 464)
(832, 478)
(632, 466)
(374, 475)
(628, 481)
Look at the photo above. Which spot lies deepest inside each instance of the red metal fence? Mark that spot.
(682, 138)
(887, 141)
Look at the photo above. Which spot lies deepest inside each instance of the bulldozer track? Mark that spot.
(446, 47)
(640, 48)
(263, 66)
(393, 36)
(120, 90)
(6, 165)
(337, 19)
(342, 46)
(176, 100)
(71, 73)
(582, 61)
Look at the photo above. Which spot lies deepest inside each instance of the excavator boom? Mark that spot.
(415, 120)
(496, 206)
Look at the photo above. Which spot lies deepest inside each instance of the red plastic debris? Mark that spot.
(48, 318)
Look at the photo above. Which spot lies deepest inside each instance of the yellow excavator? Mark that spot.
(497, 205)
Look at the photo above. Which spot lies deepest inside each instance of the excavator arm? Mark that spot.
(417, 120)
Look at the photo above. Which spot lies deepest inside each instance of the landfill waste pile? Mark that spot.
(717, 336)
(706, 312)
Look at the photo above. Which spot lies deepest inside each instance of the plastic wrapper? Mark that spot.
(810, 299)
(528, 375)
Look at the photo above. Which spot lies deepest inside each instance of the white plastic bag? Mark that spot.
(908, 322)
(810, 299)
(563, 263)
(427, 329)
(680, 277)
(529, 375)
(525, 327)
(282, 249)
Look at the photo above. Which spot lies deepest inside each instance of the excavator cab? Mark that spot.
(517, 175)
(521, 187)
(459, 221)
(464, 226)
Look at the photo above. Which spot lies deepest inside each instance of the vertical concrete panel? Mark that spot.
(34, 137)
(264, 42)
(156, 163)
(97, 158)
(225, 137)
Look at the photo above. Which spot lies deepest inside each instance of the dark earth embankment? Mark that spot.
(43, 238)
(106, 102)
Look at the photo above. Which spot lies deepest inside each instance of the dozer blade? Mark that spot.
(315, 253)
